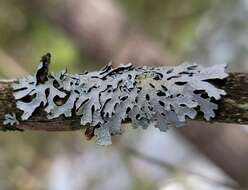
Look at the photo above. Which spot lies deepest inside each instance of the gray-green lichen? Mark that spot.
(10, 122)
(161, 97)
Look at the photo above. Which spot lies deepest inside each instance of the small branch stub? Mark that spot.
(162, 97)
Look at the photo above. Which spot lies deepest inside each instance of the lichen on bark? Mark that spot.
(162, 96)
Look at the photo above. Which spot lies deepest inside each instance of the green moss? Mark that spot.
(243, 106)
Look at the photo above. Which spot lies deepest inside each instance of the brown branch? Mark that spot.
(37, 122)
(232, 108)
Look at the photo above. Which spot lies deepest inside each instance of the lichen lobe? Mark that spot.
(162, 97)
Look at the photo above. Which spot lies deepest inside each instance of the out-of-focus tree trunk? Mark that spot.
(226, 146)
(236, 99)
(101, 30)
(13, 69)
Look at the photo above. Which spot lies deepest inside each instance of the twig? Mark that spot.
(232, 108)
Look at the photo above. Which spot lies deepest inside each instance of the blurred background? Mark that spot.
(86, 35)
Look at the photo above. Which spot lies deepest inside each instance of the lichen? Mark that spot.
(162, 97)
(10, 122)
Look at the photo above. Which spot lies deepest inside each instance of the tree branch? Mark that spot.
(232, 108)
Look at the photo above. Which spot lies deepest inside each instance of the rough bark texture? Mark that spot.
(37, 122)
(232, 108)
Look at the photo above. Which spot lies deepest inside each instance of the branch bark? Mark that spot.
(232, 108)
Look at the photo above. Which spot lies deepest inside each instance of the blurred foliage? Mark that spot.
(27, 34)
(172, 22)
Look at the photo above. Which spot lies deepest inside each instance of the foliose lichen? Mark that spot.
(10, 122)
(162, 97)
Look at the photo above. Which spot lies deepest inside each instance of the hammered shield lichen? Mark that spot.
(160, 97)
